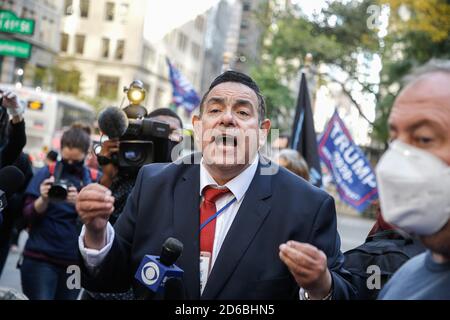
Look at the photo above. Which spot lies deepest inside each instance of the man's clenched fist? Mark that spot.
(94, 206)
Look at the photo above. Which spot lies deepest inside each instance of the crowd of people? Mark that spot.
(246, 234)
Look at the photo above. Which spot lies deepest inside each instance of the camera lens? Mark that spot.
(134, 155)
(57, 193)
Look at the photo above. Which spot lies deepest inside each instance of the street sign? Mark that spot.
(9, 22)
(17, 49)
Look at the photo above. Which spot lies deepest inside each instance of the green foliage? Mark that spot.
(407, 46)
(276, 94)
(338, 37)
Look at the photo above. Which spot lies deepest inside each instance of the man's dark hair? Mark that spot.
(235, 76)
(77, 137)
(52, 155)
(165, 112)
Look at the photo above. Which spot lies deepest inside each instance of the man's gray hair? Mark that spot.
(432, 66)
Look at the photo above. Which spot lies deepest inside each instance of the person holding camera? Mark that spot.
(12, 128)
(121, 183)
(54, 226)
(119, 180)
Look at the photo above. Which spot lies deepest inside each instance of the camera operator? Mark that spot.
(121, 182)
(54, 226)
(12, 132)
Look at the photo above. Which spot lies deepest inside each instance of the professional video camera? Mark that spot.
(142, 140)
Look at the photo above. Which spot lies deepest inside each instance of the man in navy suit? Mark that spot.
(275, 239)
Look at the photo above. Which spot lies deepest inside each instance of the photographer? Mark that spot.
(54, 228)
(12, 133)
(121, 182)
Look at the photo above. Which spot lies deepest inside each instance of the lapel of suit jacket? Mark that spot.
(247, 222)
(186, 226)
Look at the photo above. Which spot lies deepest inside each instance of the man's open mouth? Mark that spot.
(225, 140)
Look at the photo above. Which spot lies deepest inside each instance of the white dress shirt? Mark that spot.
(238, 187)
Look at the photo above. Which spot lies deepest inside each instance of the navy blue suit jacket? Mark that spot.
(165, 203)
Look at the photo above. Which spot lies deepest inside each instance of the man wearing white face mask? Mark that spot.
(414, 182)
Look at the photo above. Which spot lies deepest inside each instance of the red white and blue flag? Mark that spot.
(351, 171)
(184, 94)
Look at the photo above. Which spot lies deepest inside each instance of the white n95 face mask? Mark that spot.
(414, 189)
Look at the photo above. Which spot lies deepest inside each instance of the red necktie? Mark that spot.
(207, 209)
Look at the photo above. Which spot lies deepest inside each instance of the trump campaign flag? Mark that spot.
(183, 92)
(351, 171)
(304, 138)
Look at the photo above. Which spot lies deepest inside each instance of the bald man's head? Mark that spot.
(421, 112)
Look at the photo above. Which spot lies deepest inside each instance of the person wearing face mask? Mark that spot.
(414, 182)
(54, 226)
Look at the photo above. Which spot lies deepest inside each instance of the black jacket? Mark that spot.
(16, 141)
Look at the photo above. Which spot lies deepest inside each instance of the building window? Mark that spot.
(24, 13)
(107, 87)
(109, 11)
(43, 27)
(79, 43)
(120, 48)
(199, 23)
(64, 44)
(246, 6)
(123, 12)
(182, 41)
(195, 50)
(68, 7)
(84, 8)
(105, 47)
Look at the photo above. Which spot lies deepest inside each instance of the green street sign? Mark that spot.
(9, 22)
(15, 48)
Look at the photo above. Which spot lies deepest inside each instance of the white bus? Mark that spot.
(46, 115)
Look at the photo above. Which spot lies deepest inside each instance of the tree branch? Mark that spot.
(349, 95)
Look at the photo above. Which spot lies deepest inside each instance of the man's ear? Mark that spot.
(197, 126)
(264, 130)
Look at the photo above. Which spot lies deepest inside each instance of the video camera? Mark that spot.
(142, 140)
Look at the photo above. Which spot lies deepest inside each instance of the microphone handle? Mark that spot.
(174, 289)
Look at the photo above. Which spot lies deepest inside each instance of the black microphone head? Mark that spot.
(171, 251)
(11, 180)
(113, 122)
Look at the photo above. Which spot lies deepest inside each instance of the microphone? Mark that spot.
(160, 274)
(11, 180)
(113, 122)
